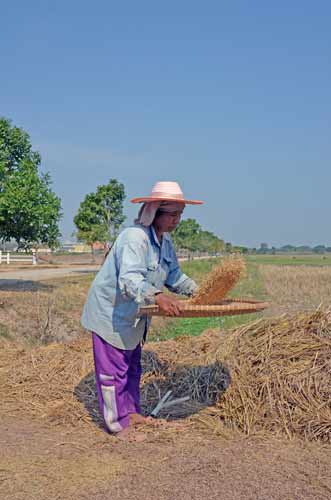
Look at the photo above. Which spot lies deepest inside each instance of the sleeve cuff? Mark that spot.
(149, 296)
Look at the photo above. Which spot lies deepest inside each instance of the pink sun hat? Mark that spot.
(166, 191)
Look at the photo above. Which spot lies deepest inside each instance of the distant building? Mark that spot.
(43, 249)
(76, 247)
(70, 246)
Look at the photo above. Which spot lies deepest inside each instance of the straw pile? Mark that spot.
(45, 382)
(56, 382)
(280, 378)
(220, 281)
(281, 374)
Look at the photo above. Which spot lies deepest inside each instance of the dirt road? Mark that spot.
(37, 273)
(40, 274)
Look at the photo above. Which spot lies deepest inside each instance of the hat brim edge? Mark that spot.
(145, 199)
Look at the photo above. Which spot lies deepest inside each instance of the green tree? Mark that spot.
(100, 214)
(288, 248)
(186, 235)
(29, 209)
(209, 242)
(190, 236)
(319, 249)
(303, 249)
(239, 249)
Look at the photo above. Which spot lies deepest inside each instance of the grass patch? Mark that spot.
(197, 269)
(291, 260)
(195, 326)
(4, 332)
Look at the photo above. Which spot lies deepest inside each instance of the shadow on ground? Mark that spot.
(85, 271)
(202, 384)
(9, 285)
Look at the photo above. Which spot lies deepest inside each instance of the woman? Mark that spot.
(141, 262)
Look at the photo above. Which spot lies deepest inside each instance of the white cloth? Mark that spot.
(148, 211)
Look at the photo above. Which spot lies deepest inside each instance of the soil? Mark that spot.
(42, 274)
(39, 461)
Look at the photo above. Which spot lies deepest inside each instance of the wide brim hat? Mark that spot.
(166, 191)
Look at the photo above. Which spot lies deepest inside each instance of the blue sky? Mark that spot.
(231, 99)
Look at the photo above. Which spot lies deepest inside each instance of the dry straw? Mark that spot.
(280, 373)
(220, 281)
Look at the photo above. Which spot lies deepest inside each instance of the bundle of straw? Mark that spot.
(220, 281)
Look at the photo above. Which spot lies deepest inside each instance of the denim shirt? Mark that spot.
(136, 268)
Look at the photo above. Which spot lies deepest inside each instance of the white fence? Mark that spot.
(8, 258)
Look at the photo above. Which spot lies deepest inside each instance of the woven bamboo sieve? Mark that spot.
(228, 307)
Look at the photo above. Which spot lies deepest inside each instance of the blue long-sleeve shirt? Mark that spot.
(136, 268)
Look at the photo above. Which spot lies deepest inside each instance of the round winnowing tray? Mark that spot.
(228, 307)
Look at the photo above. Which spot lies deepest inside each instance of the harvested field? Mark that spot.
(280, 372)
(43, 312)
(71, 258)
(295, 288)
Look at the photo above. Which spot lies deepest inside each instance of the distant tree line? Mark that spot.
(190, 236)
(265, 249)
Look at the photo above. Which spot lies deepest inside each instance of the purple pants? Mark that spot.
(117, 373)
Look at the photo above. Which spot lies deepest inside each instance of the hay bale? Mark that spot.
(220, 281)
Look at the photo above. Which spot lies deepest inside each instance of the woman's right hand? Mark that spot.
(168, 305)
